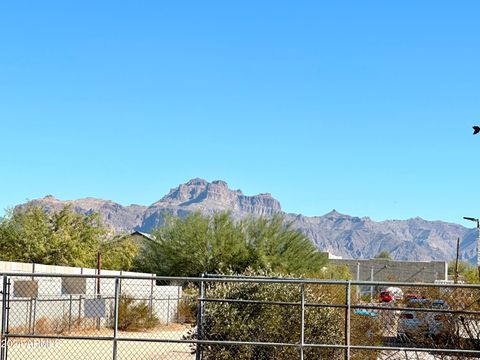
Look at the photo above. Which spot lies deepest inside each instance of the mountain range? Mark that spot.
(343, 235)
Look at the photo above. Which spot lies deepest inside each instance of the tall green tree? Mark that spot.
(119, 252)
(61, 237)
(275, 245)
(384, 254)
(218, 244)
(195, 244)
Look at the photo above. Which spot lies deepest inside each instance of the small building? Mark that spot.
(329, 255)
(141, 236)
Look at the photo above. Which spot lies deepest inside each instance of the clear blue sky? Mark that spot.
(361, 106)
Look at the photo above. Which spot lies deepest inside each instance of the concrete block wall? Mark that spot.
(392, 270)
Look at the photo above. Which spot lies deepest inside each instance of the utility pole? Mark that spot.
(456, 262)
(478, 247)
(478, 241)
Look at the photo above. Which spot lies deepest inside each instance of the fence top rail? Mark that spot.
(352, 282)
(239, 279)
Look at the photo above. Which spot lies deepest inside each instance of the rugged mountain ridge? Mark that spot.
(412, 239)
(119, 217)
(207, 197)
(348, 236)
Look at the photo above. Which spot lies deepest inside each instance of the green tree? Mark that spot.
(119, 253)
(467, 272)
(61, 237)
(216, 244)
(384, 254)
(275, 245)
(195, 244)
(335, 272)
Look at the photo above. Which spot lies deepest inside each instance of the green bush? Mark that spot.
(187, 306)
(134, 315)
(268, 323)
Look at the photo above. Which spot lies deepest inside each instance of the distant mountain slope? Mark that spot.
(413, 239)
(348, 236)
(120, 218)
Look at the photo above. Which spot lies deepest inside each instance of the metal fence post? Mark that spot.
(30, 312)
(151, 297)
(115, 318)
(358, 279)
(371, 286)
(302, 321)
(7, 315)
(34, 318)
(198, 353)
(79, 319)
(347, 320)
(4, 316)
(70, 314)
(168, 309)
(178, 302)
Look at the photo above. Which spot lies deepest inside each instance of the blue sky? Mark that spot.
(361, 106)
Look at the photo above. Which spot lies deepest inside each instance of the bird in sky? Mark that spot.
(476, 130)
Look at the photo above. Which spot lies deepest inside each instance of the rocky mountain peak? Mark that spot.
(334, 214)
(220, 183)
(217, 195)
(189, 191)
(197, 182)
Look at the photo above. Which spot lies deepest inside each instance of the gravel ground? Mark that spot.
(52, 349)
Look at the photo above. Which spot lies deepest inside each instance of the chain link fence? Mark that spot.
(45, 316)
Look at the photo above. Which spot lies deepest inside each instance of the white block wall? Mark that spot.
(55, 306)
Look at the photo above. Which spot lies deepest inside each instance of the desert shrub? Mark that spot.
(186, 310)
(228, 321)
(366, 298)
(135, 315)
(366, 330)
(332, 272)
(187, 307)
(45, 326)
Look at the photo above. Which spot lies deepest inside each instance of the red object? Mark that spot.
(386, 296)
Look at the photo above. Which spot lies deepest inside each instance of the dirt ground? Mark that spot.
(53, 349)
